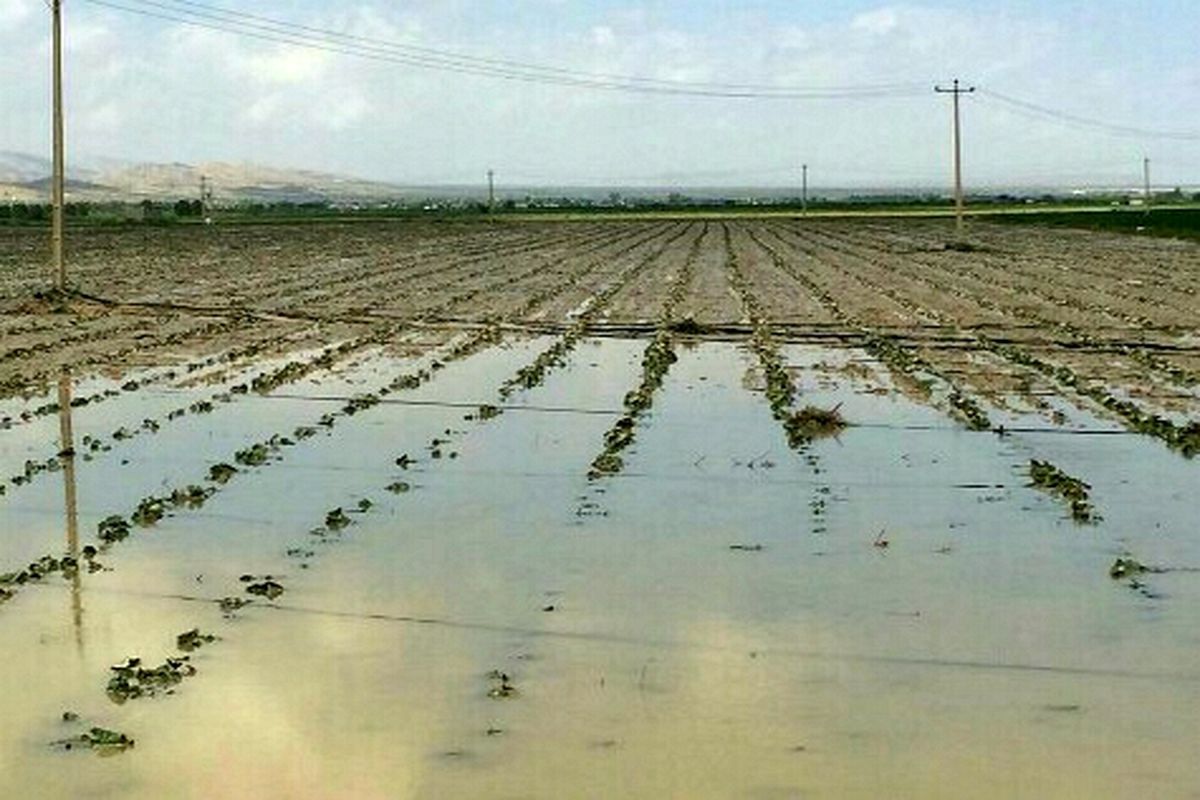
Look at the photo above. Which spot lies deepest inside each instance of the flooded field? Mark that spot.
(752, 509)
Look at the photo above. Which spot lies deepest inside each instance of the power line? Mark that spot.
(209, 11)
(267, 29)
(1035, 111)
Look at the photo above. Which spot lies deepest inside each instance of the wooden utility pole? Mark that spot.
(804, 189)
(958, 190)
(57, 190)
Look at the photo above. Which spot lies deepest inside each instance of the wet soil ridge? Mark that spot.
(810, 422)
(566, 278)
(143, 337)
(1001, 275)
(131, 385)
(983, 281)
(1050, 479)
(911, 372)
(261, 384)
(657, 359)
(141, 322)
(1184, 439)
(557, 354)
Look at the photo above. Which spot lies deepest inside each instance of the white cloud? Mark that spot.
(880, 21)
(14, 12)
(284, 64)
(343, 114)
(603, 36)
(147, 90)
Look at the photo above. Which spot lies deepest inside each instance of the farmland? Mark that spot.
(744, 507)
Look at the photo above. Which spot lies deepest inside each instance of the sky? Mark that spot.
(144, 89)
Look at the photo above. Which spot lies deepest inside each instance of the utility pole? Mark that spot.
(958, 191)
(491, 192)
(1146, 182)
(206, 194)
(57, 191)
(804, 189)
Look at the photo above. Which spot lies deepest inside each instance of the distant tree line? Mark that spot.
(154, 212)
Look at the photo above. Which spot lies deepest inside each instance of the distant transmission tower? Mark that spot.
(958, 190)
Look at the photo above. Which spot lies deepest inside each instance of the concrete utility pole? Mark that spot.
(804, 189)
(57, 190)
(958, 191)
(491, 192)
(1146, 182)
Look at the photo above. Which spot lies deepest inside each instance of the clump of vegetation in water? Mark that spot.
(502, 686)
(1125, 567)
(231, 605)
(811, 423)
(337, 519)
(113, 529)
(975, 416)
(1052, 480)
(192, 497)
(149, 511)
(100, 740)
(266, 586)
(221, 473)
(131, 680)
(253, 456)
(193, 640)
(486, 412)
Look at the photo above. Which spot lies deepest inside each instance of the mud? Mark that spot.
(704, 509)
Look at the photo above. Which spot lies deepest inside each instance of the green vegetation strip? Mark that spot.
(656, 361)
(1052, 480)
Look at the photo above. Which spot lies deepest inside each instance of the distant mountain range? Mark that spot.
(26, 178)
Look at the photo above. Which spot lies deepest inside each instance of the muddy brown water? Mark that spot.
(984, 652)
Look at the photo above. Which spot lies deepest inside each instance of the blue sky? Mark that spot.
(144, 89)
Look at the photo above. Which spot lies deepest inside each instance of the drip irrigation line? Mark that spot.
(463, 404)
(671, 644)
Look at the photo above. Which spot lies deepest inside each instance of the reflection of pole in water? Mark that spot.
(66, 455)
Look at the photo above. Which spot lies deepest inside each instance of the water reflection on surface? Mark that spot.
(66, 454)
(985, 653)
